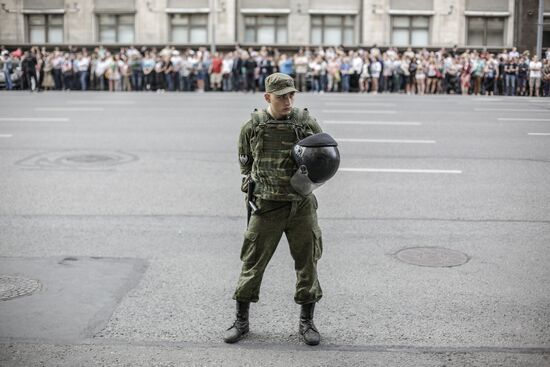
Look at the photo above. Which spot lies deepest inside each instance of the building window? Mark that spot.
(265, 29)
(410, 31)
(332, 29)
(488, 31)
(116, 28)
(546, 33)
(189, 28)
(45, 28)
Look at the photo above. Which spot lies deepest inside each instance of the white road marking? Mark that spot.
(71, 109)
(538, 101)
(393, 123)
(100, 102)
(487, 100)
(359, 104)
(519, 119)
(5, 136)
(393, 170)
(541, 134)
(35, 119)
(385, 141)
(366, 112)
(512, 110)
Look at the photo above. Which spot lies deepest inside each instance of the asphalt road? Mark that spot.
(126, 208)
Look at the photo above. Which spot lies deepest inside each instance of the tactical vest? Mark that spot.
(271, 144)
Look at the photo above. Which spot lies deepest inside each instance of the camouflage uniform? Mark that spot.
(265, 147)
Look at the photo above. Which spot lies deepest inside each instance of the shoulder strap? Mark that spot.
(259, 117)
(300, 123)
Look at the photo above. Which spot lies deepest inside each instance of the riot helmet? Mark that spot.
(317, 158)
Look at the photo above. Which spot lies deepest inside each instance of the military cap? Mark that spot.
(279, 84)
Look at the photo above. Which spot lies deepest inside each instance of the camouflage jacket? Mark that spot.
(265, 151)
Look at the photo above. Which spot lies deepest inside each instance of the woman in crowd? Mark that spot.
(465, 74)
(375, 71)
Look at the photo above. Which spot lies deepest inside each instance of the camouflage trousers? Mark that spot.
(298, 220)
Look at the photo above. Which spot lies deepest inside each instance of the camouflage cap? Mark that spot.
(279, 84)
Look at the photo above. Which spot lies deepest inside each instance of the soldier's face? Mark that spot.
(281, 106)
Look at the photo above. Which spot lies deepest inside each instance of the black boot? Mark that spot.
(240, 326)
(307, 327)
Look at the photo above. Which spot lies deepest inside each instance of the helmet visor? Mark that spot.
(301, 183)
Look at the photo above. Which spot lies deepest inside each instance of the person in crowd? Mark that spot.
(286, 65)
(465, 74)
(535, 75)
(40, 62)
(387, 73)
(356, 67)
(249, 66)
(227, 66)
(148, 69)
(136, 69)
(113, 73)
(48, 83)
(176, 61)
(300, 65)
(545, 74)
(28, 67)
(364, 77)
(215, 71)
(238, 71)
(315, 67)
(411, 80)
(7, 68)
(57, 72)
(126, 74)
(323, 74)
(490, 75)
(510, 69)
(345, 71)
(186, 71)
(375, 72)
(333, 70)
(82, 66)
(478, 66)
(523, 74)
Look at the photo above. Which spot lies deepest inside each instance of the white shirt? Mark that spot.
(375, 69)
(83, 64)
(357, 64)
(535, 69)
(227, 66)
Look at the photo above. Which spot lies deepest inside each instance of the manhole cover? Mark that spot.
(432, 256)
(89, 158)
(79, 160)
(15, 286)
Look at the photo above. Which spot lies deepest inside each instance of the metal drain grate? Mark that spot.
(77, 160)
(12, 286)
(432, 256)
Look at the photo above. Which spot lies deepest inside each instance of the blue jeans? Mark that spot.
(185, 83)
(226, 82)
(169, 82)
(510, 85)
(345, 83)
(7, 77)
(137, 76)
(83, 80)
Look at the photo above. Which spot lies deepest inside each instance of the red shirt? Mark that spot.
(216, 65)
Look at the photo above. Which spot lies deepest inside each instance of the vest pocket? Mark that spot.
(317, 243)
(248, 251)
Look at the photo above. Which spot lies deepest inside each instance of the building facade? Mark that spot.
(283, 23)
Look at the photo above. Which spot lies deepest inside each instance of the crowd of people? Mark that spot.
(330, 69)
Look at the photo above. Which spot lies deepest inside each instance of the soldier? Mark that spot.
(282, 200)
